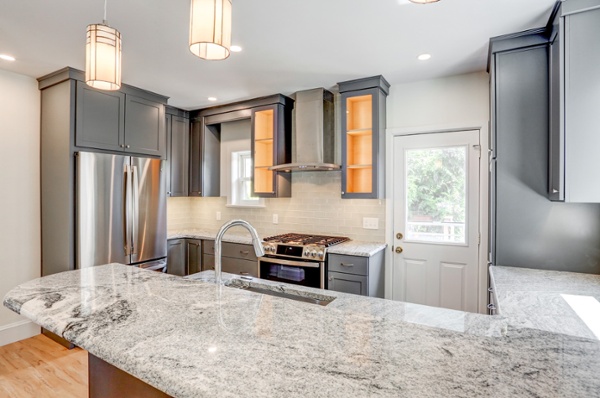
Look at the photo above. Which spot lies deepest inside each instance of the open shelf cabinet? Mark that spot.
(363, 126)
(271, 132)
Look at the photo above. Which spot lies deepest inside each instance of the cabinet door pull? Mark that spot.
(491, 307)
(346, 265)
(244, 252)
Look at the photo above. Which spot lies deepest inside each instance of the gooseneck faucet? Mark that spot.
(258, 248)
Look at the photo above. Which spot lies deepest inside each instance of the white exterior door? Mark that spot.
(436, 219)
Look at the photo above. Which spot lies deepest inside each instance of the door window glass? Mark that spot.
(436, 195)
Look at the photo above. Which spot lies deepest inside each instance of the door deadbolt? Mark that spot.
(399, 249)
(399, 235)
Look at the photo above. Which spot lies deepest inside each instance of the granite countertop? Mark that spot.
(191, 338)
(350, 248)
(562, 302)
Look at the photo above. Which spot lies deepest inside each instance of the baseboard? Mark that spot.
(16, 331)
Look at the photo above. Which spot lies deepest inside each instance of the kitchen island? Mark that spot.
(190, 338)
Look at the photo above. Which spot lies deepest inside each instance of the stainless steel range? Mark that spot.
(297, 258)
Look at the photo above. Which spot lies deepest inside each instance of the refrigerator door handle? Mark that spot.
(127, 219)
(135, 207)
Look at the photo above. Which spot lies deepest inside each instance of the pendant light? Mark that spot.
(103, 56)
(210, 29)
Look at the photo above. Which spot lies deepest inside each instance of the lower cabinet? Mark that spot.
(356, 275)
(236, 258)
(176, 257)
(184, 256)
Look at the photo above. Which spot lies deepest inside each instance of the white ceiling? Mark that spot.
(288, 45)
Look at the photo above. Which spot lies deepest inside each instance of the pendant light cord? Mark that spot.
(104, 21)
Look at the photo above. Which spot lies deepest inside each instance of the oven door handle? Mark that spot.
(304, 264)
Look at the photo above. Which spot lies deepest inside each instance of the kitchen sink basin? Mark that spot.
(305, 297)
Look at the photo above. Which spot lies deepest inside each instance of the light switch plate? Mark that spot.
(370, 223)
(275, 218)
(218, 216)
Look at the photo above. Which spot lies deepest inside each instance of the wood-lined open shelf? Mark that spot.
(359, 144)
(264, 127)
(363, 123)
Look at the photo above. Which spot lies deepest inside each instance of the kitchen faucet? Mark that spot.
(255, 241)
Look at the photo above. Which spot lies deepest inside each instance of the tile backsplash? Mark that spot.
(315, 207)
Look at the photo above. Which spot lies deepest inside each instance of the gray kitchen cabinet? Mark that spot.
(363, 137)
(184, 256)
(194, 255)
(178, 149)
(176, 257)
(271, 146)
(144, 126)
(120, 121)
(236, 258)
(574, 120)
(100, 118)
(356, 274)
(205, 160)
(205, 143)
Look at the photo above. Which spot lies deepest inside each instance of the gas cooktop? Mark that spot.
(306, 239)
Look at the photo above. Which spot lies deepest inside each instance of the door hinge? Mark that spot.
(479, 239)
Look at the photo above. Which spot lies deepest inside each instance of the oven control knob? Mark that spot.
(314, 253)
(306, 253)
(320, 254)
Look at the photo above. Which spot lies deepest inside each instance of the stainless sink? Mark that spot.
(305, 297)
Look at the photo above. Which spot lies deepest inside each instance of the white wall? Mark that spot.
(446, 101)
(20, 195)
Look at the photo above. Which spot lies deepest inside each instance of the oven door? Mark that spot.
(297, 272)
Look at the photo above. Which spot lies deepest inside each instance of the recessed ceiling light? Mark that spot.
(212, 98)
(7, 57)
(424, 57)
(235, 49)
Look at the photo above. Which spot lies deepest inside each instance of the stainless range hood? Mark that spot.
(314, 133)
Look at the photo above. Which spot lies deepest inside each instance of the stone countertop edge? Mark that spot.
(195, 339)
(350, 248)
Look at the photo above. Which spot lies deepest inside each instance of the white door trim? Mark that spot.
(483, 127)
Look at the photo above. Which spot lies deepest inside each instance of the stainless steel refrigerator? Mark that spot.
(121, 213)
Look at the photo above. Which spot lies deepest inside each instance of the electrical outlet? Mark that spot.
(370, 223)
(218, 216)
(275, 218)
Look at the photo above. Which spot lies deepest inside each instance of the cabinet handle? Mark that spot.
(244, 252)
(491, 307)
(331, 278)
(122, 146)
(490, 290)
(346, 265)
(168, 193)
(554, 190)
(127, 146)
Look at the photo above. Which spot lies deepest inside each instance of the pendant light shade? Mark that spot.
(103, 57)
(210, 29)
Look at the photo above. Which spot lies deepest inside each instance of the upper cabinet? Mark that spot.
(270, 147)
(574, 117)
(120, 121)
(270, 140)
(363, 137)
(178, 149)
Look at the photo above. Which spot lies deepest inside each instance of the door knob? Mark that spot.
(399, 236)
(399, 249)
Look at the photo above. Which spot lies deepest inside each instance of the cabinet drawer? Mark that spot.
(231, 265)
(348, 264)
(234, 250)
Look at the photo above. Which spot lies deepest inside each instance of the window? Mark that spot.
(241, 180)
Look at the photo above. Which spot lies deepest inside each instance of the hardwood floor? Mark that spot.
(39, 367)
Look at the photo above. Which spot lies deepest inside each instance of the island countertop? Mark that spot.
(190, 338)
